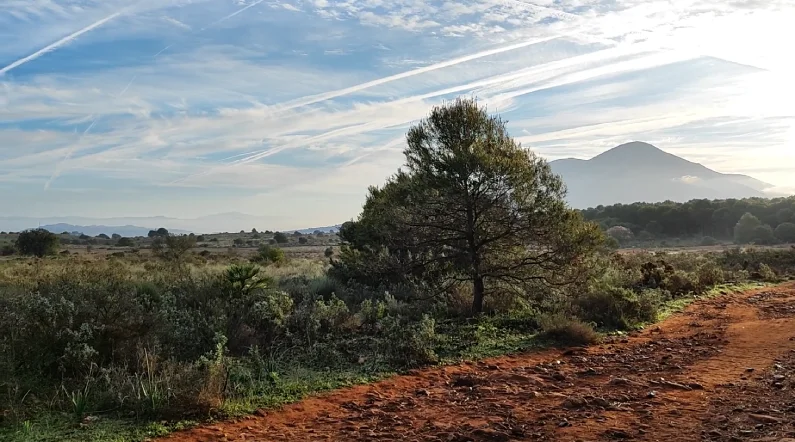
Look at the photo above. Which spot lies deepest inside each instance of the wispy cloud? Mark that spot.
(246, 100)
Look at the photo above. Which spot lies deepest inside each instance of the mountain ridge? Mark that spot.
(641, 172)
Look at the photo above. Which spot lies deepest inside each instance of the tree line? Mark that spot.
(701, 217)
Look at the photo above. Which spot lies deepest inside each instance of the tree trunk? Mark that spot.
(479, 289)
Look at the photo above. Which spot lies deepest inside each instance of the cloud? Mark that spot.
(248, 101)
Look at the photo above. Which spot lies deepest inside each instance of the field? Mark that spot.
(101, 345)
(720, 370)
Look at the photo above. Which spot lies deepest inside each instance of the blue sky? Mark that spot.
(183, 108)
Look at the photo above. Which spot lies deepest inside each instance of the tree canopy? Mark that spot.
(471, 206)
(37, 242)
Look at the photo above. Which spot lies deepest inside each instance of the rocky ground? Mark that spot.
(723, 370)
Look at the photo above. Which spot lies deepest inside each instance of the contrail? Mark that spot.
(232, 14)
(59, 43)
(68, 154)
(312, 99)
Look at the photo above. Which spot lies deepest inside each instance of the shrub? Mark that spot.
(708, 241)
(280, 238)
(302, 240)
(37, 242)
(567, 330)
(409, 344)
(268, 255)
(618, 307)
(329, 252)
(125, 242)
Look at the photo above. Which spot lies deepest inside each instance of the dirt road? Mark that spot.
(723, 370)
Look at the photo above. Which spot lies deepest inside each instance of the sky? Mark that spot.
(184, 108)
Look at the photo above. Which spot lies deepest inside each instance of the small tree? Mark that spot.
(472, 206)
(37, 242)
(302, 240)
(744, 230)
(103, 236)
(785, 232)
(280, 237)
(173, 247)
(254, 231)
(116, 236)
(329, 252)
(125, 242)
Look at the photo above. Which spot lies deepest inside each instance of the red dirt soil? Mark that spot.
(722, 370)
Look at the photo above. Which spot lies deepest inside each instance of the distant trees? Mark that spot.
(116, 236)
(694, 219)
(159, 232)
(280, 238)
(125, 242)
(37, 242)
(103, 236)
(785, 232)
(745, 229)
(471, 207)
(302, 240)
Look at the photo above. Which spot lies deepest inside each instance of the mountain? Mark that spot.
(326, 229)
(641, 172)
(95, 230)
(221, 222)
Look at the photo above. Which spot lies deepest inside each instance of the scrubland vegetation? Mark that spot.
(468, 252)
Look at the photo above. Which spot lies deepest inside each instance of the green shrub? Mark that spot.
(617, 307)
(268, 255)
(708, 241)
(567, 330)
(409, 344)
(37, 242)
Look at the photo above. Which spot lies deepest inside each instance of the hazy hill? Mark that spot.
(641, 172)
(94, 230)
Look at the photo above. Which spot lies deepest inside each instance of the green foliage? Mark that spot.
(329, 252)
(302, 240)
(37, 242)
(694, 218)
(125, 242)
(280, 238)
(473, 206)
(567, 330)
(268, 254)
(173, 247)
(708, 241)
(785, 232)
(745, 230)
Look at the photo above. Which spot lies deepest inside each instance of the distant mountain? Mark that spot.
(95, 230)
(641, 172)
(327, 229)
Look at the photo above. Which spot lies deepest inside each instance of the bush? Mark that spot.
(618, 307)
(567, 330)
(37, 242)
(268, 255)
(708, 241)
(125, 242)
(280, 238)
(409, 344)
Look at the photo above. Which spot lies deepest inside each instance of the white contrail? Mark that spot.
(59, 43)
(232, 14)
(312, 99)
(128, 86)
(68, 154)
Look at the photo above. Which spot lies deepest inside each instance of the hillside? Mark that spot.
(94, 230)
(641, 172)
